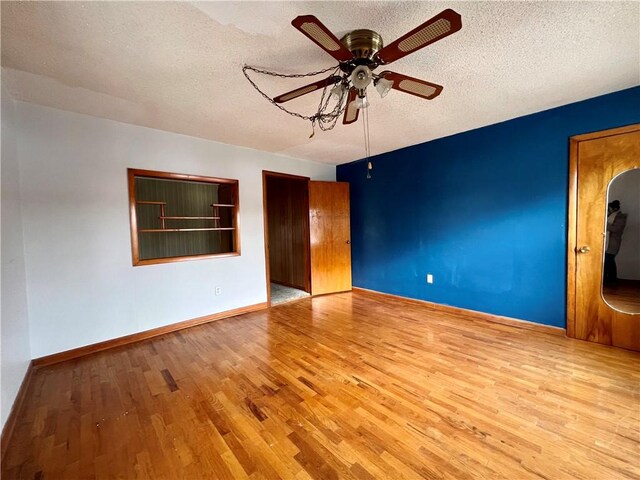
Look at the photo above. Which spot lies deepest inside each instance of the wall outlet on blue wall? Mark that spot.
(429, 278)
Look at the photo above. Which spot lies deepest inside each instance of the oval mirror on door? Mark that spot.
(621, 262)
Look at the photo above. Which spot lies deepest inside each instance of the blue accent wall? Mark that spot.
(484, 211)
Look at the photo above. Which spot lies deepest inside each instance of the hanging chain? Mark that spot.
(326, 121)
(288, 75)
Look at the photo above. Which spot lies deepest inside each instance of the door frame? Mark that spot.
(265, 175)
(572, 223)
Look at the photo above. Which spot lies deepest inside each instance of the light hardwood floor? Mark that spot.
(352, 385)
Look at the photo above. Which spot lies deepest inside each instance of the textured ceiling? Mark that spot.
(177, 66)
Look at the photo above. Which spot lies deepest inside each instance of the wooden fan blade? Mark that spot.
(411, 85)
(351, 111)
(322, 36)
(440, 26)
(312, 87)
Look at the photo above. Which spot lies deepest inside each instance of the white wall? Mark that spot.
(626, 188)
(14, 329)
(82, 286)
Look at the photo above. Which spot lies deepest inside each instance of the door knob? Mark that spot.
(348, 242)
(584, 249)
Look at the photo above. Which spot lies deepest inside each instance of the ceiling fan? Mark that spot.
(360, 52)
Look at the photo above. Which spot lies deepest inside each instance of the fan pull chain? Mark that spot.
(367, 141)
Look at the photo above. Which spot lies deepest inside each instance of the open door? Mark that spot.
(286, 214)
(597, 159)
(330, 234)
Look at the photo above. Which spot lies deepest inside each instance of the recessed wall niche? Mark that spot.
(176, 217)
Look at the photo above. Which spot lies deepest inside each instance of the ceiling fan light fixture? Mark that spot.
(361, 77)
(362, 101)
(383, 86)
(336, 92)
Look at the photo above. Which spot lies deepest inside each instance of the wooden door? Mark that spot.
(330, 234)
(595, 160)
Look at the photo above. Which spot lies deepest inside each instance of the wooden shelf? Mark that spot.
(162, 217)
(189, 218)
(156, 230)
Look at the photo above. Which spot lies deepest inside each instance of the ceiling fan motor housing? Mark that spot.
(363, 44)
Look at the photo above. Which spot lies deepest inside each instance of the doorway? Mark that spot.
(602, 298)
(286, 213)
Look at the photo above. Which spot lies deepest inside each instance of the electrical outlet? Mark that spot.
(218, 290)
(429, 278)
